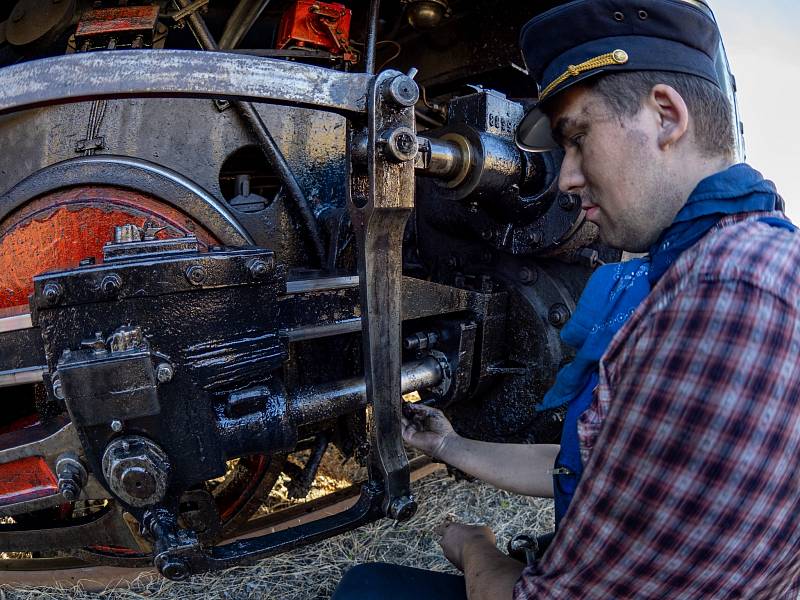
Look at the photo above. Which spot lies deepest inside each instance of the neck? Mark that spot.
(692, 172)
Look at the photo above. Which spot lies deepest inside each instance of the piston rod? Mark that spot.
(322, 402)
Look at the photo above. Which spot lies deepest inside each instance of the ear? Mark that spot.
(673, 114)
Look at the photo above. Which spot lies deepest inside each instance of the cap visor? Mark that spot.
(534, 133)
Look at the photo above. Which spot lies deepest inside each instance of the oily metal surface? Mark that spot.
(187, 73)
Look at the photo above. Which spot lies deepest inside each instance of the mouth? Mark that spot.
(591, 210)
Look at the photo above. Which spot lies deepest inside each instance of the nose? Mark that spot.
(571, 180)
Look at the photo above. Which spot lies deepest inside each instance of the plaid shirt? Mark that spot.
(692, 443)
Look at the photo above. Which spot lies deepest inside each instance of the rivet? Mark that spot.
(196, 274)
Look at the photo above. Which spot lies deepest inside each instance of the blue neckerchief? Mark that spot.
(611, 295)
(738, 189)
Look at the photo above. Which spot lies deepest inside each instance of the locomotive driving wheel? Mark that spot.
(61, 230)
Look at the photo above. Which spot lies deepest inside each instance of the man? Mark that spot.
(689, 443)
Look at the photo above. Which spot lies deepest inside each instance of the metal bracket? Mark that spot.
(381, 202)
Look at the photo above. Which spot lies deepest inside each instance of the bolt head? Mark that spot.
(164, 373)
(68, 489)
(558, 315)
(401, 144)
(404, 91)
(258, 269)
(111, 284)
(52, 292)
(196, 274)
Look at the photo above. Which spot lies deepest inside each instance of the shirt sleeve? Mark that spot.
(692, 489)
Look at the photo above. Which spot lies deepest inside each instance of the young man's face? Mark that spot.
(613, 163)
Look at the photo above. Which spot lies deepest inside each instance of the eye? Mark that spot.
(577, 140)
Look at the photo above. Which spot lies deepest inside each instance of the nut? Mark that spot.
(164, 373)
(71, 476)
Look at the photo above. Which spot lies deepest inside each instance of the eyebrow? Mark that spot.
(563, 124)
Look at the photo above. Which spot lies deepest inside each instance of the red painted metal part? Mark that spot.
(110, 21)
(60, 229)
(26, 479)
(326, 25)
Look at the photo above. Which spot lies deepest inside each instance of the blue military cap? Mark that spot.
(584, 38)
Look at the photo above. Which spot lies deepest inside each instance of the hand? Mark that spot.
(456, 536)
(426, 428)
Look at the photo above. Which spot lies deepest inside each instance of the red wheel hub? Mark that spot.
(58, 230)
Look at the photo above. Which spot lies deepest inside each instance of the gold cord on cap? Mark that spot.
(617, 57)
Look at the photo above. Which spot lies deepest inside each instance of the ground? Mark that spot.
(312, 572)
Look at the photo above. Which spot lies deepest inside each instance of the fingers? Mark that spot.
(415, 409)
(415, 418)
(442, 527)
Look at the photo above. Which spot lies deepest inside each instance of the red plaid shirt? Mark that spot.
(692, 442)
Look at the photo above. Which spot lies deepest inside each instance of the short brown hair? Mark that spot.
(710, 109)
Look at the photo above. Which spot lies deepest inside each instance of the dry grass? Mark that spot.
(312, 572)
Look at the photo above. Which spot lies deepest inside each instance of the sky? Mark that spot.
(763, 45)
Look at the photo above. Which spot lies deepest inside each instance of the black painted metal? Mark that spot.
(176, 303)
(271, 150)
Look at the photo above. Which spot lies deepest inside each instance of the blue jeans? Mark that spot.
(382, 581)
